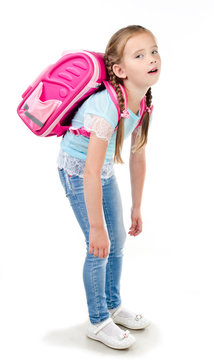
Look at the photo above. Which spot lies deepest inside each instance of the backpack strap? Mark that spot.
(142, 110)
(112, 92)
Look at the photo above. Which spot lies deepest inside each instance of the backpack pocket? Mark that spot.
(36, 111)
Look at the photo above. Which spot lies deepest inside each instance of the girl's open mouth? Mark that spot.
(153, 71)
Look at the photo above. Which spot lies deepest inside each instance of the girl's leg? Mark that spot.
(112, 206)
(94, 270)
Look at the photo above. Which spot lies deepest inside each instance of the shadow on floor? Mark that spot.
(75, 336)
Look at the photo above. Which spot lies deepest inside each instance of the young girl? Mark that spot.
(86, 172)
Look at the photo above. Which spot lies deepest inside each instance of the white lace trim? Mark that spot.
(99, 125)
(75, 166)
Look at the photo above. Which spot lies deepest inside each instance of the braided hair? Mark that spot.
(144, 124)
(120, 130)
(113, 54)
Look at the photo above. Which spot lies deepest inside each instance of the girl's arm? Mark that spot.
(137, 166)
(92, 180)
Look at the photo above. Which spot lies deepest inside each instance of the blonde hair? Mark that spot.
(113, 55)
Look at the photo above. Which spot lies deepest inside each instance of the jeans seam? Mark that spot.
(109, 258)
(95, 289)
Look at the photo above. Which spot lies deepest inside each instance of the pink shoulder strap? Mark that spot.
(112, 92)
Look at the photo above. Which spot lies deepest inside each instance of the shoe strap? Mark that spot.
(117, 312)
(105, 322)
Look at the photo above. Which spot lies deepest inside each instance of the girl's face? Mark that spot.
(139, 57)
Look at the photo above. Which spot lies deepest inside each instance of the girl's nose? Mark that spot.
(153, 60)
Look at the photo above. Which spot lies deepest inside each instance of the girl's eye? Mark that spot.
(138, 56)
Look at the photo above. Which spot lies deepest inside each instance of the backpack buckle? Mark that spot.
(74, 130)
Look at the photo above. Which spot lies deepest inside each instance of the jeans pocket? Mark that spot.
(76, 184)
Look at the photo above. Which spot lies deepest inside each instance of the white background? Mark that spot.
(167, 272)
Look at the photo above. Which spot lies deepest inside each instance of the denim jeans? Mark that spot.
(101, 276)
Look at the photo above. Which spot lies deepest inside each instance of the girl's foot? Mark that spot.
(129, 319)
(110, 334)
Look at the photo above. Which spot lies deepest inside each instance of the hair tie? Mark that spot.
(125, 114)
(149, 109)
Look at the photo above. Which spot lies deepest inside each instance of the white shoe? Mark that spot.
(136, 321)
(124, 341)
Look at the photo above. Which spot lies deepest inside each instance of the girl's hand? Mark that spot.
(137, 223)
(98, 242)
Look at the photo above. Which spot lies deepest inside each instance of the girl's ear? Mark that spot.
(119, 71)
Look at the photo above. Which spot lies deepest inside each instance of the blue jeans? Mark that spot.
(101, 276)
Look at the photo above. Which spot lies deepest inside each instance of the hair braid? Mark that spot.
(120, 131)
(144, 123)
(149, 97)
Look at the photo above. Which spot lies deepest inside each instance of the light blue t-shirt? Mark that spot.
(100, 104)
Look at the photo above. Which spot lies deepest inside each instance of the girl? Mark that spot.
(86, 172)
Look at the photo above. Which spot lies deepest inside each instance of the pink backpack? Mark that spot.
(53, 98)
